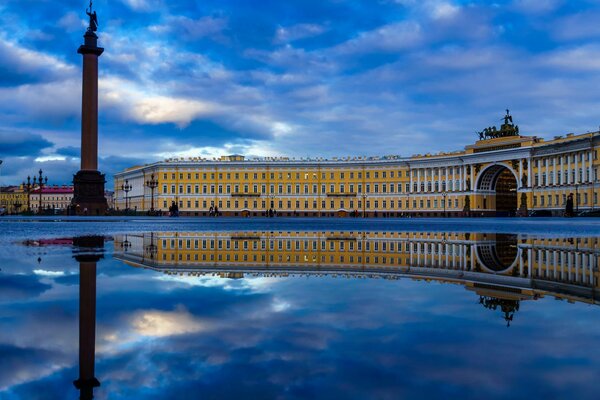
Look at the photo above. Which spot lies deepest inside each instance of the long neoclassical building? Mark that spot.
(503, 173)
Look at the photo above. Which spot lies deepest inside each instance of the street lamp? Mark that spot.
(28, 187)
(41, 182)
(152, 184)
(444, 194)
(126, 187)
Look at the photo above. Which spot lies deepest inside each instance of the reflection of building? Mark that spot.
(508, 267)
(499, 175)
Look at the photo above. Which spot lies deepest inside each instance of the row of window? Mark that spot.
(558, 200)
(311, 189)
(313, 205)
(325, 245)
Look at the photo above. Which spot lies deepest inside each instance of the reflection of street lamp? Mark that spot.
(444, 194)
(126, 187)
(126, 244)
(152, 249)
(152, 184)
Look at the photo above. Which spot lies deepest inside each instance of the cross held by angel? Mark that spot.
(93, 27)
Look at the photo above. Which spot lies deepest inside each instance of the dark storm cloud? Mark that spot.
(19, 144)
(20, 287)
(70, 151)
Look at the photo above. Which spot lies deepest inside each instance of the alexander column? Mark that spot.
(88, 196)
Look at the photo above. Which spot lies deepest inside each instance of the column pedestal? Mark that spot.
(88, 195)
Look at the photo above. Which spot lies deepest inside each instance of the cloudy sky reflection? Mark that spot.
(160, 336)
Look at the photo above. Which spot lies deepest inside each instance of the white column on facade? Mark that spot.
(569, 177)
(584, 168)
(547, 171)
(520, 173)
(591, 176)
(460, 179)
(472, 188)
(576, 166)
(529, 172)
(447, 179)
(419, 180)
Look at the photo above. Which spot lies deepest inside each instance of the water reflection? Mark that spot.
(87, 251)
(502, 269)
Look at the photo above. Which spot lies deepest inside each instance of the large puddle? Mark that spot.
(299, 313)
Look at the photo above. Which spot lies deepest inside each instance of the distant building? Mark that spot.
(503, 173)
(12, 199)
(56, 198)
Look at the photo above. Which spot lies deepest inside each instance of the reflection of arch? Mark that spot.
(488, 178)
(500, 255)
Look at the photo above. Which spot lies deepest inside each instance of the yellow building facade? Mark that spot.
(13, 199)
(499, 176)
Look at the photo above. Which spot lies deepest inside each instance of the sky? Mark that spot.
(297, 78)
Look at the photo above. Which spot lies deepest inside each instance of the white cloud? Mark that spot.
(388, 38)
(149, 108)
(42, 272)
(585, 58)
(142, 5)
(296, 32)
(155, 323)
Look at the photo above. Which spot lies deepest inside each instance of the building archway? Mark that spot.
(498, 184)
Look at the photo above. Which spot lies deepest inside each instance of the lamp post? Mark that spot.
(152, 183)
(41, 183)
(27, 187)
(126, 187)
(444, 194)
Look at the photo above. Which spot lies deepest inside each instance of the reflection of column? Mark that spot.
(555, 255)
(520, 262)
(87, 314)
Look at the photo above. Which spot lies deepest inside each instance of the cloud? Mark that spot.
(388, 38)
(192, 29)
(537, 6)
(19, 65)
(22, 144)
(297, 32)
(156, 323)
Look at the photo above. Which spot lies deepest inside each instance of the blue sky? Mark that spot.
(296, 78)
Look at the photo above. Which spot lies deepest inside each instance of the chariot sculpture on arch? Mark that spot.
(93, 26)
